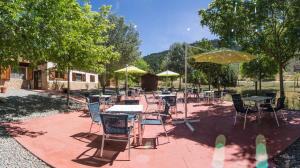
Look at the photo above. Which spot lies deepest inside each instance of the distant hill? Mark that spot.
(155, 59)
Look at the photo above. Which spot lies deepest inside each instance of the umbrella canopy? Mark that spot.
(167, 74)
(131, 70)
(224, 56)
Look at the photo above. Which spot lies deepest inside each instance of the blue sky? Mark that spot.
(161, 22)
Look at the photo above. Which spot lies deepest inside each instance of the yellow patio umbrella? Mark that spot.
(130, 70)
(224, 56)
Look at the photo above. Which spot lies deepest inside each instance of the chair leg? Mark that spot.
(146, 107)
(102, 145)
(129, 146)
(276, 117)
(166, 132)
(245, 120)
(235, 119)
(91, 127)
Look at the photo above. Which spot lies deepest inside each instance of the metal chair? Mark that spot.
(172, 101)
(269, 102)
(241, 109)
(94, 99)
(161, 119)
(278, 108)
(115, 128)
(94, 110)
(148, 102)
(217, 96)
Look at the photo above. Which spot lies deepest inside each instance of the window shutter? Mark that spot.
(73, 76)
(29, 74)
(84, 77)
(65, 76)
(5, 74)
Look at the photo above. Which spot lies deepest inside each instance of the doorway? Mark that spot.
(37, 79)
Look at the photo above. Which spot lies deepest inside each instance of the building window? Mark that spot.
(54, 75)
(92, 78)
(78, 77)
(18, 73)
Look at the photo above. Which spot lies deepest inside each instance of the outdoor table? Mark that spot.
(257, 100)
(130, 109)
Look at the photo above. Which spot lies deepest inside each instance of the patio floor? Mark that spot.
(62, 140)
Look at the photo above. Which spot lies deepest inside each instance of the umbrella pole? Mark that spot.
(126, 80)
(186, 121)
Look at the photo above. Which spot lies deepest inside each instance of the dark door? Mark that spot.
(37, 79)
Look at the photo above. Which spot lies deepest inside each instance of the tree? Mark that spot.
(125, 39)
(9, 48)
(175, 60)
(269, 27)
(261, 68)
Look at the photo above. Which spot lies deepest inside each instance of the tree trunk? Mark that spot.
(259, 83)
(209, 86)
(255, 83)
(297, 82)
(281, 84)
(102, 81)
(117, 85)
(68, 92)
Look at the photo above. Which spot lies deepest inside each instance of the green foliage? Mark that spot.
(155, 61)
(175, 58)
(9, 18)
(272, 30)
(125, 39)
(142, 64)
(261, 68)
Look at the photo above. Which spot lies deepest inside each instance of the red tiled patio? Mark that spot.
(62, 140)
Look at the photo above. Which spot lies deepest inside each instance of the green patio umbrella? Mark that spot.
(130, 70)
(167, 73)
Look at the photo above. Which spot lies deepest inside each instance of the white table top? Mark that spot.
(102, 96)
(126, 108)
(209, 91)
(166, 95)
(257, 98)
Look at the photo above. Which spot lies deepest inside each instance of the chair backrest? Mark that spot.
(94, 109)
(115, 123)
(129, 92)
(166, 111)
(171, 100)
(238, 103)
(270, 94)
(132, 102)
(146, 98)
(217, 94)
(280, 103)
(94, 99)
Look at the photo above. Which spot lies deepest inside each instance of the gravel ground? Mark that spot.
(21, 105)
(290, 157)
